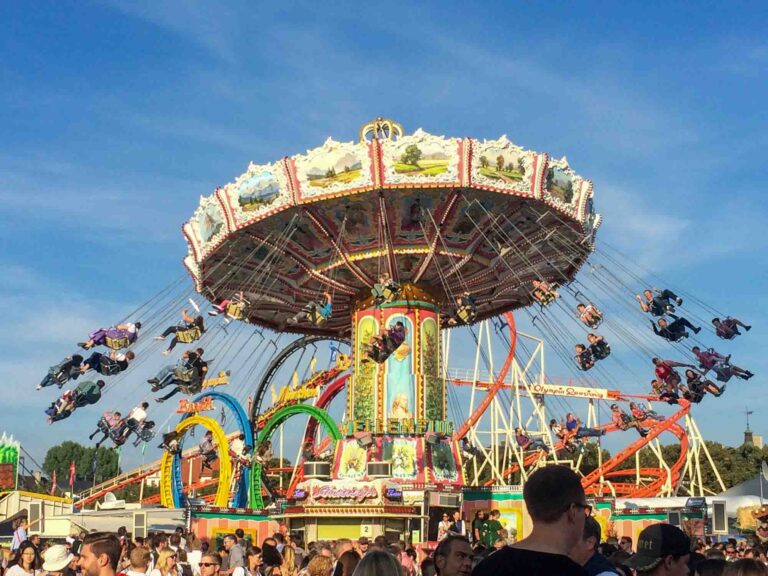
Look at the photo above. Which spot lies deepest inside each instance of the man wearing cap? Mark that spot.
(56, 558)
(662, 550)
(585, 552)
(362, 545)
(558, 507)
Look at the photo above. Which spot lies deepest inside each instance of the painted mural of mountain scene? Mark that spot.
(335, 168)
(560, 184)
(422, 159)
(209, 222)
(257, 190)
(500, 164)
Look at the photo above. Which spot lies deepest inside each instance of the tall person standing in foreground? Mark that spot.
(557, 506)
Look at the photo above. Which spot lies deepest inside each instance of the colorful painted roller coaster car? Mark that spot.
(61, 373)
(114, 337)
(290, 396)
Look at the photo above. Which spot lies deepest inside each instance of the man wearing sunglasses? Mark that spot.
(210, 564)
(558, 508)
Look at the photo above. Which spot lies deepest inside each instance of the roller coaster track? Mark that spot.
(497, 385)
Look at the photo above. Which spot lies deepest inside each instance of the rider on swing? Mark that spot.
(589, 315)
(59, 374)
(315, 312)
(115, 337)
(233, 308)
(192, 325)
(385, 290)
(598, 346)
(658, 302)
(544, 293)
(728, 328)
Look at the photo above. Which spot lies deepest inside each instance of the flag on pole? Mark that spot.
(72, 474)
(53, 484)
(764, 468)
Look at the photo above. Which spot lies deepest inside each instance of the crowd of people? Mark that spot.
(565, 540)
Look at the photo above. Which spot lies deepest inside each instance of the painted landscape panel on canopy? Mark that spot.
(502, 165)
(421, 158)
(207, 227)
(332, 168)
(259, 190)
(353, 460)
(562, 185)
(402, 454)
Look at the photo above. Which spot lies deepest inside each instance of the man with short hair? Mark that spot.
(139, 558)
(477, 526)
(490, 529)
(558, 507)
(453, 556)
(159, 543)
(342, 545)
(99, 555)
(362, 545)
(236, 556)
(459, 527)
(625, 544)
(210, 564)
(174, 541)
(662, 550)
(585, 552)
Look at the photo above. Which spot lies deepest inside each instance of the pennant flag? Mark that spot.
(72, 473)
(53, 484)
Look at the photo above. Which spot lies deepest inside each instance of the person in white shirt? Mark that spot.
(135, 419)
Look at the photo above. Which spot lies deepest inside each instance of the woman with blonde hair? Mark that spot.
(378, 563)
(320, 566)
(746, 567)
(166, 564)
(289, 561)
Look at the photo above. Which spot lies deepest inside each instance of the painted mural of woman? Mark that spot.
(400, 380)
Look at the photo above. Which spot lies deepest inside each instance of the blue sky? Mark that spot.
(115, 117)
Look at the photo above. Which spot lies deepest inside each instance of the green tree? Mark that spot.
(500, 163)
(411, 156)
(568, 194)
(484, 161)
(103, 462)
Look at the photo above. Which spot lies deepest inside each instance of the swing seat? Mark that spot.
(546, 298)
(189, 335)
(117, 343)
(184, 375)
(146, 435)
(236, 310)
(466, 313)
(191, 388)
(601, 352)
(316, 318)
(109, 367)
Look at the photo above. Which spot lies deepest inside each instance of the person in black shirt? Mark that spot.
(675, 330)
(558, 508)
(188, 377)
(477, 526)
(657, 302)
(585, 552)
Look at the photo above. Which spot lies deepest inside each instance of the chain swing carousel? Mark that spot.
(381, 243)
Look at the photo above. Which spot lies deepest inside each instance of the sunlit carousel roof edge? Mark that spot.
(346, 206)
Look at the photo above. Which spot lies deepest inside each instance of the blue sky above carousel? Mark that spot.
(115, 117)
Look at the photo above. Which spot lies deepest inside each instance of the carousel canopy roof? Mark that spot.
(454, 215)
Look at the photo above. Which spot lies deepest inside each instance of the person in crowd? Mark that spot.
(375, 563)
(139, 561)
(19, 534)
(745, 567)
(576, 430)
(120, 336)
(642, 413)
(99, 555)
(321, 565)
(347, 563)
(624, 421)
(315, 312)
(108, 364)
(443, 526)
(453, 557)
(191, 328)
(710, 567)
(662, 550)
(490, 529)
(25, 561)
(598, 346)
(61, 373)
(208, 451)
(477, 526)
(658, 302)
(589, 315)
(558, 508)
(210, 564)
(583, 357)
(665, 371)
(427, 567)
(674, 331)
(236, 553)
(167, 563)
(110, 425)
(728, 328)
(255, 561)
(458, 526)
(625, 545)
(586, 553)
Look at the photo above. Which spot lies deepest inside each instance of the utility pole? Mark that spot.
(749, 439)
